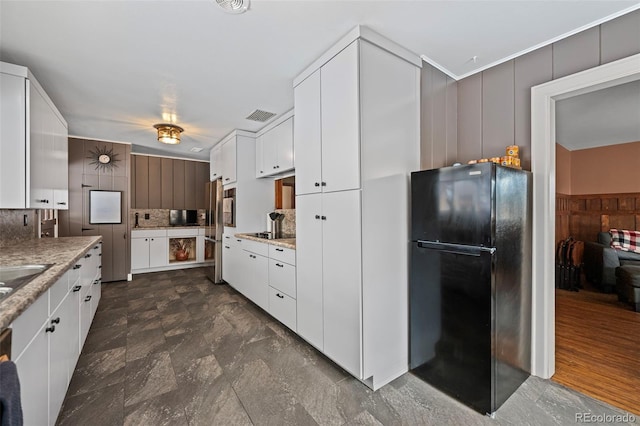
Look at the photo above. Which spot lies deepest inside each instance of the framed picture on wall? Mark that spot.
(105, 207)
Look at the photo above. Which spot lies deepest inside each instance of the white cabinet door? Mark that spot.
(284, 148)
(61, 159)
(309, 268)
(340, 121)
(229, 161)
(40, 150)
(256, 276)
(33, 370)
(269, 154)
(341, 275)
(85, 315)
(13, 126)
(74, 347)
(307, 136)
(139, 253)
(59, 354)
(215, 162)
(158, 251)
(260, 171)
(96, 295)
(228, 262)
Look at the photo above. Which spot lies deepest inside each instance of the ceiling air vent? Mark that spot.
(261, 116)
(196, 149)
(233, 6)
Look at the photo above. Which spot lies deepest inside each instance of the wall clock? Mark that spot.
(103, 158)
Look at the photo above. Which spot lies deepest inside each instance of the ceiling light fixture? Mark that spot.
(233, 6)
(169, 133)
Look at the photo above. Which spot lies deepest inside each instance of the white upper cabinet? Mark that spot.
(307, 138)
(215, 162)
(340, 121)
(33, 141)
(274, 147)
(327, 135)
(229, 161)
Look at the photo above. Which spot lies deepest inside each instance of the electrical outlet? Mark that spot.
(146, 216)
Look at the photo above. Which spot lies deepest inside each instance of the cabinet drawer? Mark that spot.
(230, 240)
(255, 247)
(28, 323)
(283, 308)
(182, 232)
(57, 292)
(282, 276)
(283, 254)
(148, 233)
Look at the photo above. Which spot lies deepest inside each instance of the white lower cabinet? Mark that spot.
(329, 293)
(149, 249)
(282, 307)
(264, 273)
(47, 341)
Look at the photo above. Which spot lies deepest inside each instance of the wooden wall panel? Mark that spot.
(576, 53)
(620, 37)
(154, 182)
(426, 117)
(190, 185)
(529, 70)
(439, 120)
(142, 182)
(178, 185)
(452, 121)
(622, 222)
(584, 227)
(470, 118)
(497, 109)
(167, 183)
(202, 177)
(132, 182)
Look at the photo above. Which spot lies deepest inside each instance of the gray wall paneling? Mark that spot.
(155, 191)
(576, 53)
(438, 128)
(530, 70)
(497, 110)
(167, 183)
(142, 181)
(452, 121)
(470, 118)
(189, 185)
(178, 185)
(479, 121)
(620, 38)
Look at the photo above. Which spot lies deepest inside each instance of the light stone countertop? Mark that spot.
(146, 228)
(289, 243)
(62, 252)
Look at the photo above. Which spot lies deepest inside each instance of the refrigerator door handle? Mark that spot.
(456, 248)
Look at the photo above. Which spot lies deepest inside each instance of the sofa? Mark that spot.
(601, 260)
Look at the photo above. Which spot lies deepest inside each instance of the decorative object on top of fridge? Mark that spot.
(511, 159)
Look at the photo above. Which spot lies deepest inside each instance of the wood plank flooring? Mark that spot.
(598, 347)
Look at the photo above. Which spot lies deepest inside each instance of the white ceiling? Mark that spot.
(605, 117)
(115, 68)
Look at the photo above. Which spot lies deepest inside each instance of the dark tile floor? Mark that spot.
(170, 348)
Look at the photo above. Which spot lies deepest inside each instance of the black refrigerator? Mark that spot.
(470, 281)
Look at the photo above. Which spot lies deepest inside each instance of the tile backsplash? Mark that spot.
(157, 217)
(289, 221)
(12, 228)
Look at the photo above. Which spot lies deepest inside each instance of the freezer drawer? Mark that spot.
(450, 293)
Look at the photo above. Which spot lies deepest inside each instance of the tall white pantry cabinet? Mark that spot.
(356, 138)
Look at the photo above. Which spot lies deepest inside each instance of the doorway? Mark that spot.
(543, 162)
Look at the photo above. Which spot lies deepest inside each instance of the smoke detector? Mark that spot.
(233, 6)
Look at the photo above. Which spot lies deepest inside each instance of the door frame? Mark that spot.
(543, 167)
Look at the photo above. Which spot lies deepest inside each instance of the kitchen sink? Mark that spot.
(13, 277)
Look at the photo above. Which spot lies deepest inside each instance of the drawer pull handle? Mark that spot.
(50, 329)
(227, 179)
(279, 265)
(279, 249)
(317, 216)
(55, 321)
(88, 255)
(227, 247)
(99, 266)
(96, 282)
(316, 184)
(77, 266)
(77, 288)
(61, 203)
(280, 296)
(87, 298)
(323, 217)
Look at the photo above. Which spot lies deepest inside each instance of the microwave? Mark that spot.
(183, 217)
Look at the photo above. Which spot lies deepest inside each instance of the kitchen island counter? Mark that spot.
(63, 253)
